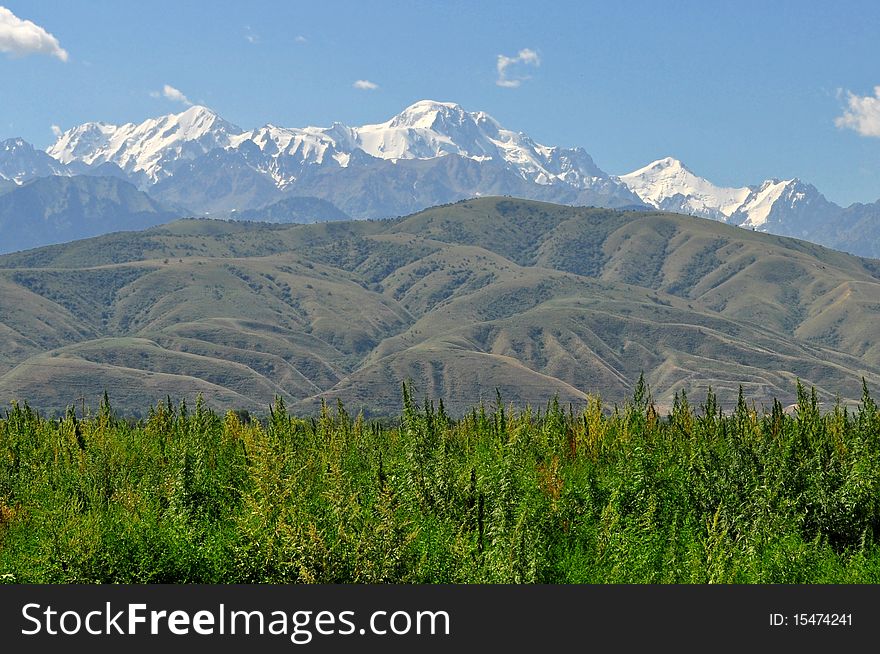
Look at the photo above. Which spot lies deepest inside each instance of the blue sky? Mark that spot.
(739, 91)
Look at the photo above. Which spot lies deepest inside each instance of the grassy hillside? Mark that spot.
(530, 298)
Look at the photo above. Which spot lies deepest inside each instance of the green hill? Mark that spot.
(526, 297)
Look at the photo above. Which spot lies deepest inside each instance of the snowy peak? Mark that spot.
(155, 149)
(81, 143)
(197, 121)
(152, 148)
(285, 152)
(442, 119)
(20, 162)
(788, 207)
(755, 210)
(669, 185)
(425, 130)
(661, 165)
(429, 129)
(429, 114)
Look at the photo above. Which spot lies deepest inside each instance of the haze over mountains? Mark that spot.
(531, 298)
(57, 209)
(196, 163)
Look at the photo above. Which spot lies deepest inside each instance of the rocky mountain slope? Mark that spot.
(56, 209)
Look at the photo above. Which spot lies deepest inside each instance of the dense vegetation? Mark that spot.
(497, 496)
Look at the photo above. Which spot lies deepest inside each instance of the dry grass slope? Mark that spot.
(530, 298)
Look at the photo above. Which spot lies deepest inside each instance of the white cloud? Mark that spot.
(862, 113)
(57, 131)
(365, 85)
(22, 37)
(510, 68)
(171, 93)
(301, 39)
(250, 36)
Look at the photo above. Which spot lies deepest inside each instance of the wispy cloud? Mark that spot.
(250, 36)
(510, 69)
(862, 113)
(22, 37)
(170, 93)
(365, 85)
(301, 39)
(57, 131)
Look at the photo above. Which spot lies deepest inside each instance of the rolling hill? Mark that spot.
(531, 298)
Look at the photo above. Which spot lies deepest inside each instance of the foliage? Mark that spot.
(622, 496)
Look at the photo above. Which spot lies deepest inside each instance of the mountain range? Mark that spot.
(531, 298)
(787, 207)
(56, 209)
(197, 163)
(173, 153)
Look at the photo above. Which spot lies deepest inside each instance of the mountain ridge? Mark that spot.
(533, 298)
(55, 209)
(430, 153)
(788, 207)
(155, 149)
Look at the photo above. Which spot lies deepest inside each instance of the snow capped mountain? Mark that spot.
(757, 207)
(789, 207)
(667, 184)
(424, 130)
(430, 153)
(151, 149)
(283, 153)
(429, 129)
(20, 162)
(155, 149)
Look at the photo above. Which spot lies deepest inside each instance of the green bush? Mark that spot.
(551, 496)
